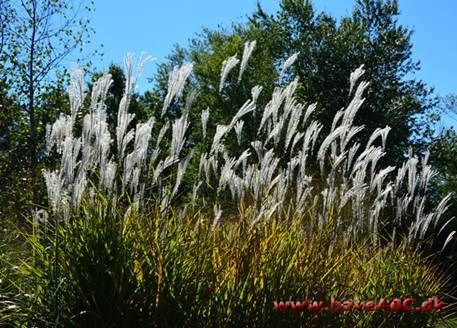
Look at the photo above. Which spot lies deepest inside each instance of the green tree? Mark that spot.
(330, 50)
(443, 154)
(36, 36)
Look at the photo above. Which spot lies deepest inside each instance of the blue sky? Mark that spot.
(153, 26)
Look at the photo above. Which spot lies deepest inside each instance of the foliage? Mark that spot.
(327, 51)
(444, 149)
(36, 36)
(167, 271)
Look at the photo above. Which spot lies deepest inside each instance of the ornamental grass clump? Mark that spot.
(290, 169)
(296, 214)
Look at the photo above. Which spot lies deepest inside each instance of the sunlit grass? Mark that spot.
(170, 271)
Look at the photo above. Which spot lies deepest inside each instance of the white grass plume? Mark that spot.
(227, 66)
(176, 82)
(288, 63)
(248, 49)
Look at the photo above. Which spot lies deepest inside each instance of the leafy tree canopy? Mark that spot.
(329, 50)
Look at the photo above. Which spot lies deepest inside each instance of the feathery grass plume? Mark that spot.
(442, 207)
(255, 92)
(227, 66)
(221, 131)
(176, 82)
(272, 106)
(57, 195)
(129, 167)
(190, 99)
(297, 138)
(99, 91)
(338, 160)
(374, 158)
(102, 141)
(351, 154)
(69, 158)
(123, 117)
(349, 135)
(57, 133)
(76, 91)
(448, 239)
(354, 77)
(290, 103)
(247, 107)
(268, 166)
(336, 119)
(427, 173)
(328, 141)
(411, 165)
(275, 132)
(363, 160)
(134, 162)
(179, 129)
(383, 133)
(400, 176)
(162, 132)
(311, 134)
(294, 121)
(248, 49)
(355, 104)
(132, 78)
(217, 216)
(238, 129)
(79, 188)
(378, 179)
(259, 149)
(204, 119)
(203, 164)
(309, 111)
(289, 62)
(182, 166)
(243, 157)
(277, 99)
(226, 173)
(109, 175)
(141, 143)
(162, 165)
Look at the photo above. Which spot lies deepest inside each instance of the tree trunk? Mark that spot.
(31, 110)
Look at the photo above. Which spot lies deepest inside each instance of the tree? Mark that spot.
(443, 154)
(329, 50)
(36, 36)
